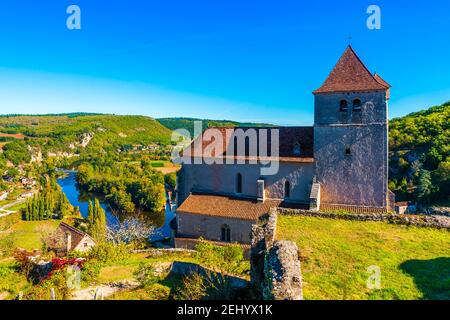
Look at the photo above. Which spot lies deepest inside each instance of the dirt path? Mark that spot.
(5, 213)
(104, 291)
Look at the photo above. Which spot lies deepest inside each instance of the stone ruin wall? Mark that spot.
(275, 266)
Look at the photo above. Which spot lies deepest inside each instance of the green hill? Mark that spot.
(419, 146)
(188, 123)
(65, 133)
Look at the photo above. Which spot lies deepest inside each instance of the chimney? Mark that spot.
(68, 242)
(261, 191)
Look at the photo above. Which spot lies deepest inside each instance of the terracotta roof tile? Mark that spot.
(226, 207)
(350, 74)
(381, 81)
(289, 138)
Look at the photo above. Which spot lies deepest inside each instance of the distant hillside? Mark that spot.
(420, 155)
(65, 133)
(70, 115)
(188, 123)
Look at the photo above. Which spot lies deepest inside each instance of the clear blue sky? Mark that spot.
(247, 60)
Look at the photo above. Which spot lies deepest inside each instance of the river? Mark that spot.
(81, 199)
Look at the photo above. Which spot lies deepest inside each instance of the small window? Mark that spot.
(239, 183)
(297, 149)
(343, 106)
(357, 105)
(225, 233)
(348, 151)
(287, 190)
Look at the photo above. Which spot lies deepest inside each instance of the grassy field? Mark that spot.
(336, 255)
(15, 233)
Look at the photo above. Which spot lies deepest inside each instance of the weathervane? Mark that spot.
(350, 39)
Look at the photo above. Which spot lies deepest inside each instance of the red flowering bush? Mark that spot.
(58, 264)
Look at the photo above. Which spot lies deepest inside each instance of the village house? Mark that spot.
(26, 182)
(340, 163)
(27, 195)
(71, 239)
(405, 207)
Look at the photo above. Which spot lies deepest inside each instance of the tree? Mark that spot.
(425, 186)
(171, 180)
(96, 221)
(130, 231)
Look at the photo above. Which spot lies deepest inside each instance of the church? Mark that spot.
(340, 163)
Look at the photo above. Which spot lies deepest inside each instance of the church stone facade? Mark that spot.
(339, 163)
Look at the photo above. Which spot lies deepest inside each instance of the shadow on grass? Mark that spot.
(432, 277)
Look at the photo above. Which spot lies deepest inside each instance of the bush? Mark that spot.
(224, 259)
(145, 275)
(171, 180)
(10, 280)
(58, 282)
(90, 272)
(193, 287)
(210, 286)
(107, 252)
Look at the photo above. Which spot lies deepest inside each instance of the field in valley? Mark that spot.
(336, 254)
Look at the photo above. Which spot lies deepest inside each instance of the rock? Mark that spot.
(282, 272)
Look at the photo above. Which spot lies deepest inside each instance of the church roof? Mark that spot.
(350, 74)
(295, 143)
(381, 81)
(226, 207)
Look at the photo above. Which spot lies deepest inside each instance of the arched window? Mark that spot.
(297, 149)
(225, 233)
(287, 190)
(357, 105)
(239, 183)
(343, 106)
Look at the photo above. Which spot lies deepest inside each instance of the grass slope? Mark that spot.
(335, 254)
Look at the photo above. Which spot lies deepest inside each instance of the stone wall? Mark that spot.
(221, 179)
(401, 219)
(357, 176)
(209, 227)
(275, 266)
(282, 272)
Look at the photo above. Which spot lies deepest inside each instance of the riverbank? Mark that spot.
(79, 198)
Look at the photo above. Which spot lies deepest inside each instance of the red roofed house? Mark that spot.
(339, 163)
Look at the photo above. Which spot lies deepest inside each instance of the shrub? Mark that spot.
(193, 287)
(145, 275)
(224, 259)
(58, 282)
(108, 252)
(210, 286)
(90, 272)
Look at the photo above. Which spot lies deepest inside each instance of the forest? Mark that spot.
(419, 145)
(127, 186)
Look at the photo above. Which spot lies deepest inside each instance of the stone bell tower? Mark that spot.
(351, 138)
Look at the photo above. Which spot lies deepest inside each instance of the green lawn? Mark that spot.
(15, 233)
(414, 262)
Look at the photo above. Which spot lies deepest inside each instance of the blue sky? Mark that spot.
(246, 60)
